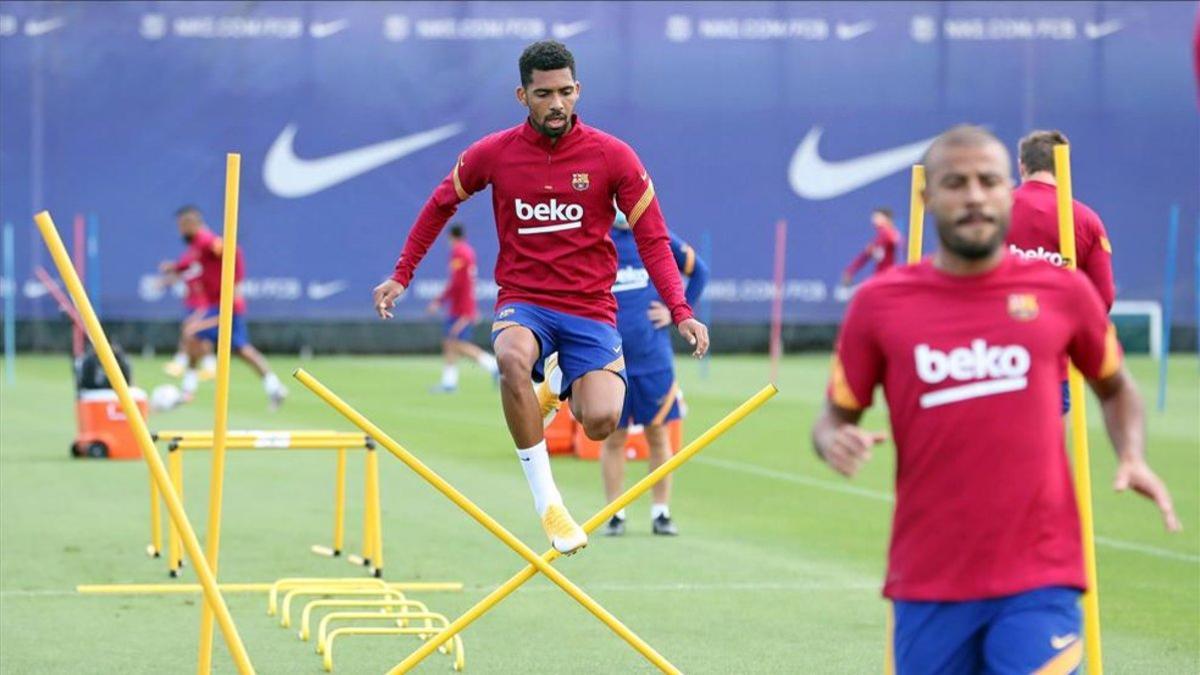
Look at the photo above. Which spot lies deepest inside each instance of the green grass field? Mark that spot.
(777, 570)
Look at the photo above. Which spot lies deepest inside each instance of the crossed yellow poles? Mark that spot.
(536, 563)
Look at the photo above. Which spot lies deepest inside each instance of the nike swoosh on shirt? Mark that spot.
(320, 291)
(324, 29)
(565, 31)
(287, 175)
(812, 177)
(36, 28)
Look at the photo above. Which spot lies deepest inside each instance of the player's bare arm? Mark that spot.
(385, 296)
(1125, 420)
(841, 443)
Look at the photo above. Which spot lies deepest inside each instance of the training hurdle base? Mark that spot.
(371, 555)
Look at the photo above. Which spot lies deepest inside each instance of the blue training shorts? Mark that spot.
(463, 334)
(583, 345)
(206, 329)
(1020, 633)
(652, 398)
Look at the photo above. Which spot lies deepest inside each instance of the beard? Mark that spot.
(552, 132)
(956, 242)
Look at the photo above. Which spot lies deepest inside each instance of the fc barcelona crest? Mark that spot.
(1023, 306)
(580, 181)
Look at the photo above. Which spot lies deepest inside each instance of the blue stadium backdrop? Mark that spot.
(347, 114)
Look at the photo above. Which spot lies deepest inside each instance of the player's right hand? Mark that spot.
(850, 448)
(385, 296)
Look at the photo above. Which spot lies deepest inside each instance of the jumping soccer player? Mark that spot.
(188, 354)
(1034, 230)
(204, 248)
(985, 567)
(461, 313)
(882, 248)
(653, 399)
(553, 182)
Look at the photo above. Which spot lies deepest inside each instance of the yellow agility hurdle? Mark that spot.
(214, 601)
(371, 556)
(537, 563)
(1079, 437)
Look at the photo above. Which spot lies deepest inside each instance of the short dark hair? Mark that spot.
(1037, 149)
(961, 135)
(186, 209)
(456, 230)
(883, 211)
(544, 55)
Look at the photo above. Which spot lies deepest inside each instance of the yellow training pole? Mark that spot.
(339, 502)
(595, 521)
(368, 539)
(175, 468)
(233, 168)
(486, 521)
(99, 341)
(155, 549)
(916, 214)
(1079, 438)
(376, 533)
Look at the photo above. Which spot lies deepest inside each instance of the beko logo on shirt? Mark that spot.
(560, 217)
(988, 371)
(1053, 257)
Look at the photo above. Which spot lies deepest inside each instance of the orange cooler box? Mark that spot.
(103, 429)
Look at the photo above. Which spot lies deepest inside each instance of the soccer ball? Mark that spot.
(165, 397)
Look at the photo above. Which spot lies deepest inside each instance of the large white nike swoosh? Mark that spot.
(287, 175)
(36, 28)
(813, 178)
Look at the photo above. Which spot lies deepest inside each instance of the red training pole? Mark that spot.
(79, 254)
(777, 300)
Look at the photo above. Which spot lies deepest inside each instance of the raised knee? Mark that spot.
(599, 427)
(514, 365)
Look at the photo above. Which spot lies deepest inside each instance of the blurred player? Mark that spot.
(553, 184)
(882, 248)
(1034, 230)
(985, 567)
(461, 313)
(204, 248)
(190, 352)
(653, 397)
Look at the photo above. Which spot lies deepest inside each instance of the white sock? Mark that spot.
(449, 377)
(535, 462)
(271, 383)
(488, 363)
(189, 381)
(620, 514)
(657, 510)
(209, 363)
(180, 359)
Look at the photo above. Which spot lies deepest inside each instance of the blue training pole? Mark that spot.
(705, 299)
(10, 307)
(93, 260)
(1168, 301)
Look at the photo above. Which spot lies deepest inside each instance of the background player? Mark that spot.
(205, 248)
(1034, 230)
(882, 248)
(190, 351)
(461, 313)
(553, 183)
(985, 566)
(653, 399)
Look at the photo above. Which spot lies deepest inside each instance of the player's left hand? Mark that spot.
(696, 334)
(658, 314)
(1137, 474)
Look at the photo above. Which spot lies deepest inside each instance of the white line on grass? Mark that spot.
(878, 495)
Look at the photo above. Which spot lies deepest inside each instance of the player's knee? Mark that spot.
(598, 426)
(515, 366)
